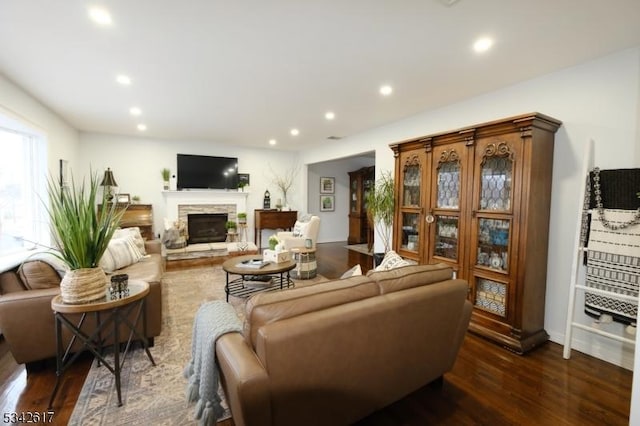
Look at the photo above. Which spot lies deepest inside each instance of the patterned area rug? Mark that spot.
(156, 395)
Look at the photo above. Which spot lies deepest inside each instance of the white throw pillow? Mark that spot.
(134, 231)
(391, 260)
(353, 272)
(121, 252)
(300, 229)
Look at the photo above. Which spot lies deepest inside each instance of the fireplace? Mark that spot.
(207, 227)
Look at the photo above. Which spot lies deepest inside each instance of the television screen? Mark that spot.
(205, 172)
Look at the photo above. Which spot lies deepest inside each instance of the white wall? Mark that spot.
(597, 100)
(62, 139)
(136, 165)
(334, 226)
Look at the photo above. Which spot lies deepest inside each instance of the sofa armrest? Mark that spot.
(153, 246)
(284, 234)
(27, 323)
(245, 381)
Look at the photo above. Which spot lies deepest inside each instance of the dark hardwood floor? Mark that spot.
(488, 385)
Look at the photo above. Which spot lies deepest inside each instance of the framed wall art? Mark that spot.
(327, 185)
(327, 203)
(123, 199)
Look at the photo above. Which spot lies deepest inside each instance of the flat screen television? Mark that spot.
(206, 172)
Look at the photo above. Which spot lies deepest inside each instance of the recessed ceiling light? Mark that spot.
(100, 16)
(295, 132)
(142, 127)
(482, 44)
(135, 111)
(386, 90)
(329, 115)
(272, 142)
(123, 79)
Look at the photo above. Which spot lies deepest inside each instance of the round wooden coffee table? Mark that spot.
(272, 276)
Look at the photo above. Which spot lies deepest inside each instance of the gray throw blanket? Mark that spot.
(213, 319)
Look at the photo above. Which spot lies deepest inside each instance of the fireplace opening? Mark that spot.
(207, 227)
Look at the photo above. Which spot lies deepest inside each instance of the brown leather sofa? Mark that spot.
(334, 352)
(27, 321)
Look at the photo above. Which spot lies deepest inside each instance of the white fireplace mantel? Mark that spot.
(173, 199)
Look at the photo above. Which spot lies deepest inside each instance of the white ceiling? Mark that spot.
(246, 71)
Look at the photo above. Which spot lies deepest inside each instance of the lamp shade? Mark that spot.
(108, 179)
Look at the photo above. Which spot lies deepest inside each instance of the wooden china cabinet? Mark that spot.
(360, 182)
(478, 199)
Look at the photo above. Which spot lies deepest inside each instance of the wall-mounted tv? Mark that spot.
(206, 172)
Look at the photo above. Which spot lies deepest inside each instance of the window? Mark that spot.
(23, 192)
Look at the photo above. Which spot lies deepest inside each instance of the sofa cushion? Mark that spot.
(410, 276)
(266, 308)
(36, 274)
(121, 252)
(10, 283)
(149, 269)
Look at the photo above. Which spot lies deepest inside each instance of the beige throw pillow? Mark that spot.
(121, 252)
(133, 232)
(391, 260)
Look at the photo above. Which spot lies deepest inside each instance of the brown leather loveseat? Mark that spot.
(27, 321)
(334, 352)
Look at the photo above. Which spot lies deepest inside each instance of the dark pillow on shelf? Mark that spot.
(37, 274)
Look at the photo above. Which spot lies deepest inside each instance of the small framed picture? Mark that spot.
(123, 199)
(243, 179)
(327, 203)
(327, 185)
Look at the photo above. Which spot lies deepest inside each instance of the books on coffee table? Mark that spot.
(253, 263)
(257, 281)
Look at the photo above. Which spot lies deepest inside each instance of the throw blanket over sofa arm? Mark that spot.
(245, 381)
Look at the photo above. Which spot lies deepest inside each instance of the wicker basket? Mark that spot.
(83, 286)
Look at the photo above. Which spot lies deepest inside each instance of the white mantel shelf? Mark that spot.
(211, 192)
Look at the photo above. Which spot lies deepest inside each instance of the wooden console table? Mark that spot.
(140, 215)
(272, 219)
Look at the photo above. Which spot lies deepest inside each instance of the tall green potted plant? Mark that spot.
(380, 205)
(82, 233)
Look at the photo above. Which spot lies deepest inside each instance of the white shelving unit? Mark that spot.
(576, 273)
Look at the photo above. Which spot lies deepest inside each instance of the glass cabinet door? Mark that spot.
(496, 177)
(353, 196)
(446, 241)
(491, 296)
(411, 185)
(448, 185)
(410, 231)
(493, 243)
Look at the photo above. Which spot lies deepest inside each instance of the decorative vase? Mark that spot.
(166, 185)
(83, 286)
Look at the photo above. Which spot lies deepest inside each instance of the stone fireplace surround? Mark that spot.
(180, 204)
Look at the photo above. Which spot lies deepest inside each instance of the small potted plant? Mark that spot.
(82, 234)
(231, 226)
(273, 242)
(166, 174)
(135, 199)
(242, 218)
(241, 185)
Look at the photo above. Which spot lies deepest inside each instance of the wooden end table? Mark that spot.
(117, 312)
(236, 287)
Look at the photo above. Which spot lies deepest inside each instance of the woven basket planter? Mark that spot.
(83, 286)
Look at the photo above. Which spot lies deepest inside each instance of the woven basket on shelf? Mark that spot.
(83, 286)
